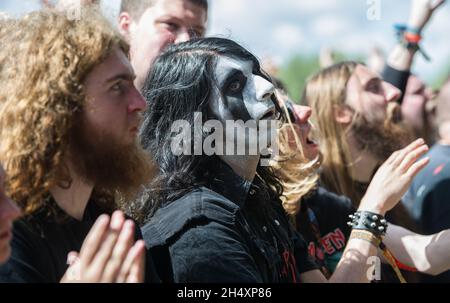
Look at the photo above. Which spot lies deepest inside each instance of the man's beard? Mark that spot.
(381, 139)
(99, 158)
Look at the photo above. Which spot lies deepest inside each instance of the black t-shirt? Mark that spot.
(230, 231)
(41, 243)
(428, 198)
(330, 213)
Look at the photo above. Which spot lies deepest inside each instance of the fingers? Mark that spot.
(105, 251)
(123, 245)
(137, 271)
(133, 268)
(72, 274)
(436, 4)
(417, 167)
(94, 238)
(412, 157)
(72, 257)
(397, 157)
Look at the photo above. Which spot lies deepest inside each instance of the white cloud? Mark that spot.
(312, 6)
(329, 25)
(287, 39)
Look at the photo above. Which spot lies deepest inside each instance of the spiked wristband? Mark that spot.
(371, 222)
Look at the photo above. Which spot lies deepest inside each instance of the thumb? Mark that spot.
(72, 258)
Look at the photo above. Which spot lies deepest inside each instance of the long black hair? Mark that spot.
(180, 84)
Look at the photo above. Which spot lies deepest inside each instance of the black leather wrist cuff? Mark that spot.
(366, 220)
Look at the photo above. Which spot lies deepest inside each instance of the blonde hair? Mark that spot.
(297, 174)
(46, 60)
(325, 92)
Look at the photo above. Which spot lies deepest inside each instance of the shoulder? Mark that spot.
(26, 248)
(196, 207)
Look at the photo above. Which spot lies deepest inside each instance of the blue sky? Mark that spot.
(281, 28)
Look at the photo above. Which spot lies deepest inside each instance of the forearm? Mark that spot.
(401, 58)
(354, 266)
(428, 254)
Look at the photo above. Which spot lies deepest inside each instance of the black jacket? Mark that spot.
(229, 231)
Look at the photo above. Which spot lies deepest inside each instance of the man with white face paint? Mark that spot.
(242, 95)
(219, 218)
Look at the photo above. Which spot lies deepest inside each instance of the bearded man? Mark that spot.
(69, 119)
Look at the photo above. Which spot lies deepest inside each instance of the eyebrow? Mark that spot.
(179, 20)
(124, 76)
(199, 28)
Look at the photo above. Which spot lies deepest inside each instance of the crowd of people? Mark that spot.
(102, 178)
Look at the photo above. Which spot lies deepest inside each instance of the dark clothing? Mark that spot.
(232, 230)
(322, 221)
(397, 78)
(328, 213)
(41, 243)
(428, 198)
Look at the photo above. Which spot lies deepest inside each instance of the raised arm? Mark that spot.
(401, 57)
(387, 187)
(428, 254)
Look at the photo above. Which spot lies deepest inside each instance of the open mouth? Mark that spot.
(270, 114)
(310, 140)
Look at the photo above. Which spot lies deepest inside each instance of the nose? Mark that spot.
(264, 89)
(303, 113)
(391, 92)
(137, 102)
(182, 36)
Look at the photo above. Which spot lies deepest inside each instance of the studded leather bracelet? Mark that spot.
(371, 222)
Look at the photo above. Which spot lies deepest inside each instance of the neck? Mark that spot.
(243, 166)
(363, 162)
(73, 200)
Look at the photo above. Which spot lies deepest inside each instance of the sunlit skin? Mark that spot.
(369, 95)
(303, 128)
(114, 105)
(164, 23)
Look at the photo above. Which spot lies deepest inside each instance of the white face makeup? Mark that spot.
(243, 95)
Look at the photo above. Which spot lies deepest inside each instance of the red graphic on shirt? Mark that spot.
(289, 267)
(438, 169)
(331, 243)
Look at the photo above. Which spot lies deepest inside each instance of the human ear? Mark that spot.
(124, 24)
(343, 114)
